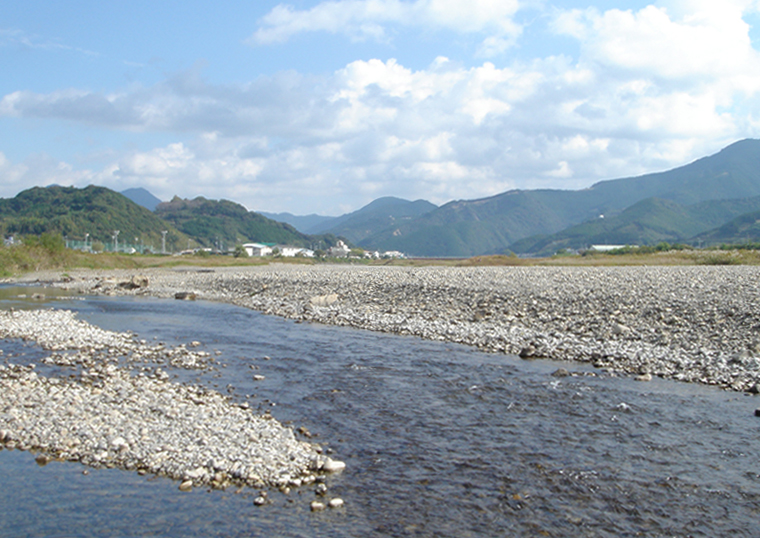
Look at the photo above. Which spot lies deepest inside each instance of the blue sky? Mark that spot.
(321, 107)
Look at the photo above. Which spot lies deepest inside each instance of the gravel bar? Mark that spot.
(694, 324)
(115, 412)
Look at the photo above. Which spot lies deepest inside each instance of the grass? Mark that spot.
(39, 256)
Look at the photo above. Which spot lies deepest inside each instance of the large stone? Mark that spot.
(136, 282)
(333, 466)
(324, 300)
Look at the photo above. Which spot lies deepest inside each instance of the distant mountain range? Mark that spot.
(496, 224)
(676, 205)
(303, 224)
(96, 213)
(713, 200)
(647, 222)
(142, 197)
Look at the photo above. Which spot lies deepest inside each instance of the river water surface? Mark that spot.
(439, 440)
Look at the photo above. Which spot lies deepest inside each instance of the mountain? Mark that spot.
(142, 197)
(490, 225)
(467, 228)
(223, 224)
(647, 222)
(303, 224)
(96, 211)
(743, 229)
(733, 172)
(376, 216)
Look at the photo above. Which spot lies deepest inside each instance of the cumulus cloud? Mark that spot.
(689, 40)
(331, 143)
(370, 19)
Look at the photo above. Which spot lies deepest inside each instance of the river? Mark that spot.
(438, 439)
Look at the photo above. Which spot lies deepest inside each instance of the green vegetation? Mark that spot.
(47, 251)
(648, 222)
(91, 214)
(376, 216)
(690, 200)
(223, 224)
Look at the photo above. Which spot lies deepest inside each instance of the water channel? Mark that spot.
(439, 440)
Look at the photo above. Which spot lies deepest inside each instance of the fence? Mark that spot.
(126, 248)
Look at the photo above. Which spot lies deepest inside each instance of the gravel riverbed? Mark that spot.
(693, 324)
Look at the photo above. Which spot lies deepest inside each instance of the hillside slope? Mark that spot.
(223, 224)
(647, 222)
(376, 216)
(490, 225)
(74, 212)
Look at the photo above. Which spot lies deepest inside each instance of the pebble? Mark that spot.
(317, 506)
(333, 466)
(335, 503)
(112, 411)
(692, 324)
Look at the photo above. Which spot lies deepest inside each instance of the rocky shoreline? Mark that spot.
(117, 408)
(694, 324)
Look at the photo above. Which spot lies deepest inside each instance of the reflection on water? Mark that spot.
(439, 440)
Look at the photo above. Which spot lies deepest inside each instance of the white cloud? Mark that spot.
(636, 100)
(13, 37)
(369, 19)
(691, 40)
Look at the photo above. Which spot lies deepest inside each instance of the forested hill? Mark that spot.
(74, 212)
(215, 222)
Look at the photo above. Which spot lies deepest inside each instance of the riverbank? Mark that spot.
(693, 324)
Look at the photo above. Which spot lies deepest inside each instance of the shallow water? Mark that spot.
(439, 440)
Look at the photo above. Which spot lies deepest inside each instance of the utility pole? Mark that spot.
(163, 241)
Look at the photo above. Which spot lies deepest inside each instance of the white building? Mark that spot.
(607, 248)
(257, 249)
(339, 251)
(292, 252)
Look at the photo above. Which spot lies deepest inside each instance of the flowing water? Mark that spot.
(439, 440)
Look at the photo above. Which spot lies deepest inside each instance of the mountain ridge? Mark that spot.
(490, 225)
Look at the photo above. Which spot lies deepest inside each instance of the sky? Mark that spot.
(323, 106)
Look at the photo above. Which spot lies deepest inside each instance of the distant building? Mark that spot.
(393, 254)
(607, 248)
(339, 251)
(292, 252)
(257, 249)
